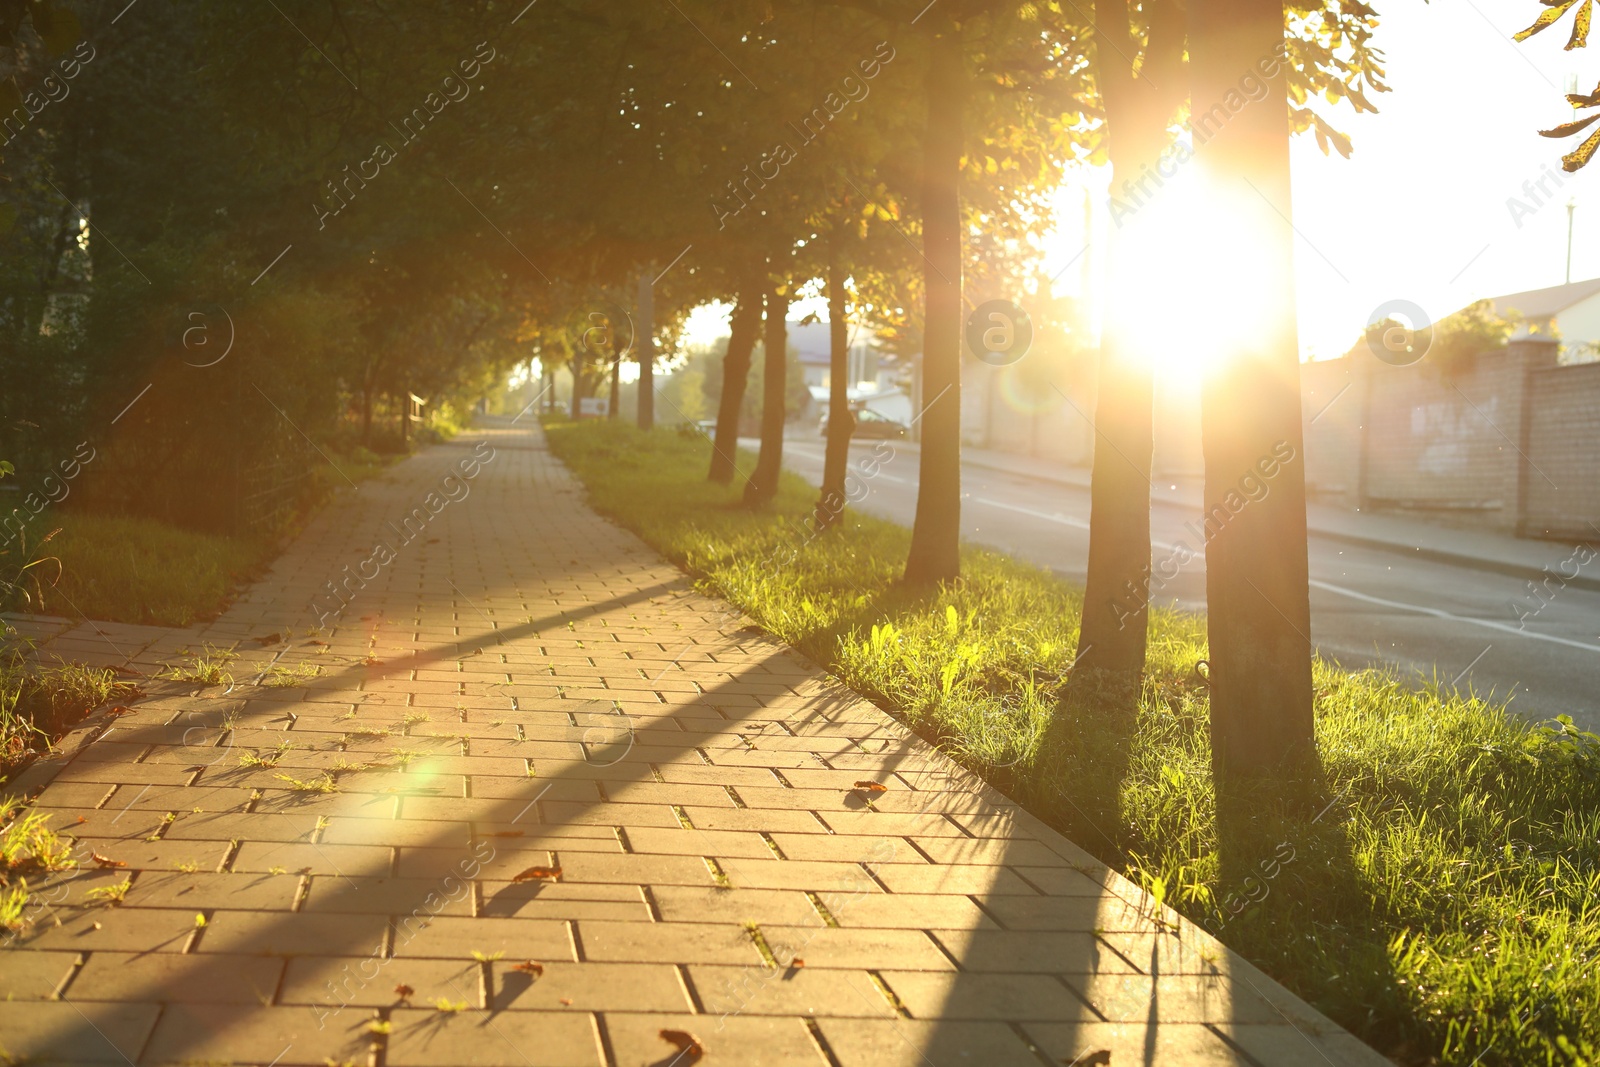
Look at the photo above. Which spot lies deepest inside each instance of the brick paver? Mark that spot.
(542, 801)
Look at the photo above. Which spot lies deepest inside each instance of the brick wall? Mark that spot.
(1508, 441)
(1562, 493)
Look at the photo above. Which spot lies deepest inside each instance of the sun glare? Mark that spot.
(1197, 292)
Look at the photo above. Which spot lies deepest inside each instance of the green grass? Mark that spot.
(1437, 892)
(131, 570)
(38, 704)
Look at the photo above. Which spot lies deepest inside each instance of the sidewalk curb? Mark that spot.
(1460, 559)
(1434, 555)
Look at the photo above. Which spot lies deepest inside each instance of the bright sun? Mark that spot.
(1196, 293)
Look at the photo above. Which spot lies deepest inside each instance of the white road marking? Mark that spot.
(1439, 613)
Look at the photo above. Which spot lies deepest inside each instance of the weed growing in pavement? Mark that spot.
(209, 668)
(109, 895)
(287, 677)
(270, 759)
(322, 783)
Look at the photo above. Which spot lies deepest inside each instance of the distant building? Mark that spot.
(1570, 313)
(874, 379)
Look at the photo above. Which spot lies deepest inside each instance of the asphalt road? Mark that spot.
(1369, 606)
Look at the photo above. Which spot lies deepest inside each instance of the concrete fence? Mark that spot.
(1508, 440)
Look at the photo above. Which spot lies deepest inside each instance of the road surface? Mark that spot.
(1369, 606)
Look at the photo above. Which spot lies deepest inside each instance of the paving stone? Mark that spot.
(499, 1039)
(34, 975)
(807, 991)
(916, 1043)
(1162, 1045)
(270, 856)
(68, 1032)
(953, 995)
(714, 904)
(1005, 951)
(562, 900)
(589, 986)
(177, 979)
(289, 934)
(832, 947)
(1184, 999)
(95, 929)
(208, 889)
(800, 874)
(454, 937)
(748, 1040)
(337, 984)
(679, 942)
(211, 1033)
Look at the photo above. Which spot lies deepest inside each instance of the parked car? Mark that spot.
(870, 424)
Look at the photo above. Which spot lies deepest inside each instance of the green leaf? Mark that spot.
(1545, 19)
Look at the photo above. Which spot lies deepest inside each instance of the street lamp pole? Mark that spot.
(1571, 207)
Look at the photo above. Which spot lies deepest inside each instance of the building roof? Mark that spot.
(811, 340)
(1543, 303)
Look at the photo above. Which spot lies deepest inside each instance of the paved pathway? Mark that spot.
(574, 810)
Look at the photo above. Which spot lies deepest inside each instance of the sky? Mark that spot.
(1419, 212)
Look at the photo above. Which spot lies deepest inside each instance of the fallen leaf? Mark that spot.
(872, 787)
(368, 618)
(105, 861)
(129, 671)
(270, 639)
(797, 963)
(529, 967)
(567, 1001)
(81, 819)
(120, 709)
(433, 540)
(552, 873)
(372, 661)
(687, 1044)
(96, 925)
(403, 991)
(314, 641)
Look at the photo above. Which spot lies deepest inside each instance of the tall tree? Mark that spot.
(1140, 101)
(841, 420)
(1257, 595)
(743, 328)
(763, 483)
(935, 554)
(645, 341)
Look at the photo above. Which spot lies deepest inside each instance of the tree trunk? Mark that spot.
(763, 483)
(742, 331)
(935, 554)
(841, 421)
(1113, 633)
(1257, 598)
(575, 363)
(644, 334)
